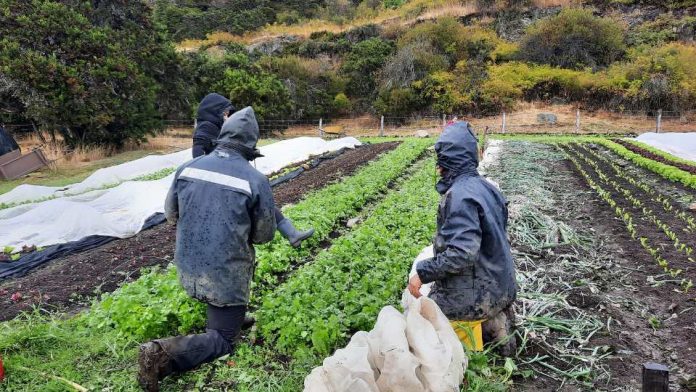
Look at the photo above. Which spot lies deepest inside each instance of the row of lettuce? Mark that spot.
(106, 336)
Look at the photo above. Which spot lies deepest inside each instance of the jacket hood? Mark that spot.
(212, 108)
(240, 129)
(457, 152)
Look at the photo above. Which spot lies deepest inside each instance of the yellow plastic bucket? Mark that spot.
(468, 332)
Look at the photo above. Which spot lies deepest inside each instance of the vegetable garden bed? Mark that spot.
(69, 282)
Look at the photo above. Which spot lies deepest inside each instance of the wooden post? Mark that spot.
(655, 377)
(321, 129)
(444, 120)
(658, 125)
(381, 127)
(577, 120)
(504, 122)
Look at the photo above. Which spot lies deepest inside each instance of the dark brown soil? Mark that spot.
(629, 300)
(638, 150)
(68, 283)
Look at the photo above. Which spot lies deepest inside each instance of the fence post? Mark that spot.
(655, 377)
(577, 120)
(321, 129)
(381, 127)
(444, 120)
(658, 124)
(504, 122)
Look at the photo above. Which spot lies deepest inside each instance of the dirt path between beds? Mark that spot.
(70, 282)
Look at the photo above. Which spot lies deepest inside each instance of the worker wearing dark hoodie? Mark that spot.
(213, 110)
(222, 206)
(472, 271)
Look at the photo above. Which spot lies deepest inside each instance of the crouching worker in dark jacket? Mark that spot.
(222, 206)
(472, 272)
(213, 110)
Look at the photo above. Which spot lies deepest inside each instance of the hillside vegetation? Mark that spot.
(325, 58)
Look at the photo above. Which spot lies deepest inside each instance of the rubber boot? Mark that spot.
(294, 236)
(500, 329)
(248, 322)
(154, 365)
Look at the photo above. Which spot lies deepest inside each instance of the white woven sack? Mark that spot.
(397, 369)
(436, 346)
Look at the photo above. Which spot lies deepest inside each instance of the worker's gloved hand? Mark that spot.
(414, 286)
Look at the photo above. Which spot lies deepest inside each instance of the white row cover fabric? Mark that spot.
(121, 211)
(413, 352)
(682, 145)
(277, 156)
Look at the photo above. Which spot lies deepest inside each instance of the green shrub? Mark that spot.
(445, 92)
(574, 39)
(398, 102)
(341, 103)
(311, 84)
(453, 40)
(93, 74)
(362, 63)
(260, 90)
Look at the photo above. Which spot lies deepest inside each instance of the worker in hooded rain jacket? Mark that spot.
(222, 206)
(472, 270)
(213, 110)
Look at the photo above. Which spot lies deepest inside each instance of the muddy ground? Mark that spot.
(70, 282)
(646, 321)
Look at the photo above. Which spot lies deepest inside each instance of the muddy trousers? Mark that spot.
(500, 328)
(187, 352)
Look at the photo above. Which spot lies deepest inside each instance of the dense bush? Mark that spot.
(361, 65)
(92, 74)
(195, 19)
(657, 78)
(575, 39)
(453, 40)
(313, 85)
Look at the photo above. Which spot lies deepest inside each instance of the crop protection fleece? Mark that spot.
(222, 207)
(472, 270)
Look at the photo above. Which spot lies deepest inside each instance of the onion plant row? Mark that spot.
(639, 205)
(625, 215)
(665, 201)
(155, 305)
(345, 286)
(669, 172)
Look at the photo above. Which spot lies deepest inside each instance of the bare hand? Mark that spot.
(414, 285)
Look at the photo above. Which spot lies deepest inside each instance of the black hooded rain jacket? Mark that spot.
(208, 122)
(473, 270)
(222, 206)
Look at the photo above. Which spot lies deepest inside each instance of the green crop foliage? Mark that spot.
(322, 210)
(669, 172)
(346, 285)
(662, 154)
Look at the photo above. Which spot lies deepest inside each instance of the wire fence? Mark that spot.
(529, 121)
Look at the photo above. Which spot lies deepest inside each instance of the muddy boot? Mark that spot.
(294, 236)
(248, 322)
(154, 365)
(500, 329)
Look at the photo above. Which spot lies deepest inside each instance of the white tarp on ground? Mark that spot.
(121, 211)
(682, 145)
